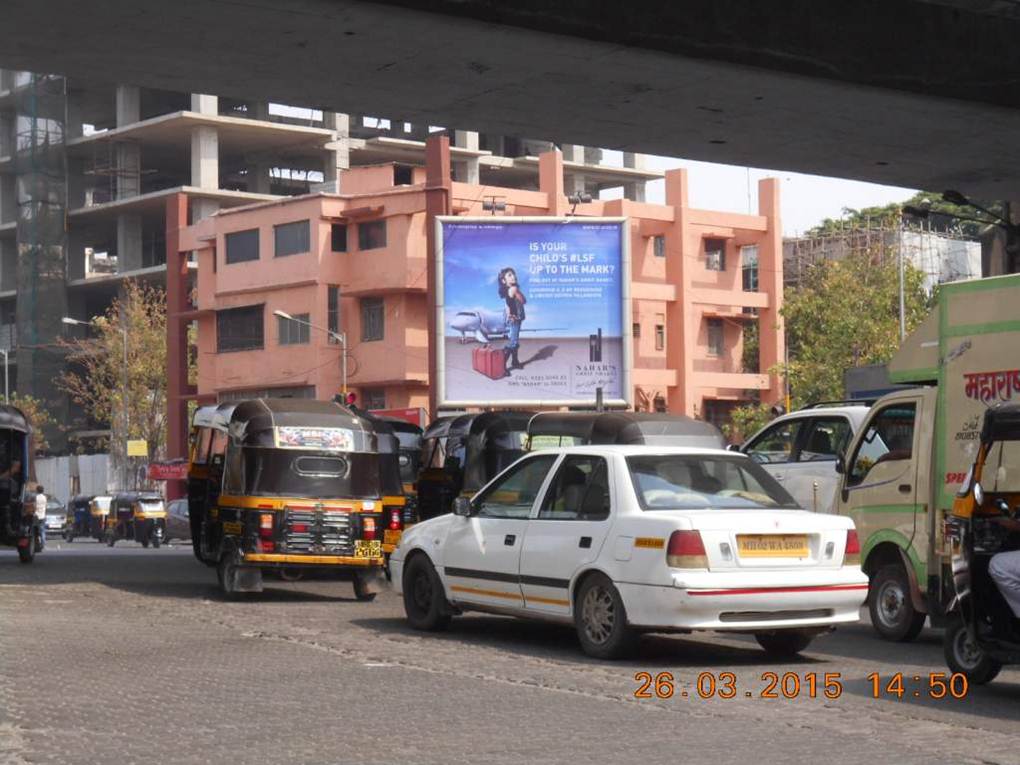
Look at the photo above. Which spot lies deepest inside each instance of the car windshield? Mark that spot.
(691, 481)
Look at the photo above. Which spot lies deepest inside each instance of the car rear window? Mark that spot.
(689, 482)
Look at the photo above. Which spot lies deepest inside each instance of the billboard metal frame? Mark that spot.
(626, 319)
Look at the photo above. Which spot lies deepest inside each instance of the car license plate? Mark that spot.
(772, 545)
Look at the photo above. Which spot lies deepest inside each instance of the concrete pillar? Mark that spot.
(8, 264)
(575, 183)
(683, 317)
(202, 208)
(771, 331)
(466, 139)
(8, 201)
(73, 126)
(466, 170)
(6, 134)
(258, 177)
(129, 105)
(550, 181)
(259, 110)
(203, 104)
(129, 169)
(205, 157)
(636, 189)
(338, 152)
(573, 152)
(75, 255)
(129, 242)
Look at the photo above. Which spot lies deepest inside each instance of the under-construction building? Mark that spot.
(87, 170)
(940, 255)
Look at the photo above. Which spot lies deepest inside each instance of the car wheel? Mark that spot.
(601, 620)
(967, 658)
(361, 589)
(784, 643)
(892, 611)
(425, 602)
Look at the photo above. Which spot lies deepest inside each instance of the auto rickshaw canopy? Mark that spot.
(1001, 423)
(284, 423)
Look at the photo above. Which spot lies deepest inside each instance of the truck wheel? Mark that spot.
(601, 620)
(892, 612)
(784, 644)
(966, 658)
(425, 602)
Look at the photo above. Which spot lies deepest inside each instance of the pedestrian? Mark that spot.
(40, 513)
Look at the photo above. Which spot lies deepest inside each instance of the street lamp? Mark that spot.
(124, 394)
(340, 337)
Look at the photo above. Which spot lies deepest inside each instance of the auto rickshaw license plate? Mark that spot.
(772, 545)
(368, 548)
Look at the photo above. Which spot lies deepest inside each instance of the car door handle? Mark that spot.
(509, 540)
(904, 488)
(585, 543)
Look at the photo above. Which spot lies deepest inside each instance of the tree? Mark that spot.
(846, 314)
(95, 379)
(37, 416)
(943, 216)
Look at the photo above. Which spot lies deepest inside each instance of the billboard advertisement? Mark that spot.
(532, 311)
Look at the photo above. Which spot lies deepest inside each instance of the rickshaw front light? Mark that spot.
(852, 553)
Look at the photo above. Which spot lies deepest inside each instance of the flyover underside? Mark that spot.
(905, 92)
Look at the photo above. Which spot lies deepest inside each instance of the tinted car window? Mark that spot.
(826, 437)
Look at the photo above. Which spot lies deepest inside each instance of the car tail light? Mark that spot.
(852, 555)
(395, 520)
(686, 550)
(368, 528)
(265, 525)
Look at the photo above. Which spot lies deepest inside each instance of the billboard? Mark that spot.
(532, 311)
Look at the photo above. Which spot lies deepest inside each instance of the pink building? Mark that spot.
(357, 262)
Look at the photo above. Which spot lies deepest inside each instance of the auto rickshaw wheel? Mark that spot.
(965, 657)
(892, 611)
(145, 543)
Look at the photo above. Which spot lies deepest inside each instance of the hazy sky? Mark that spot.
(806, 199)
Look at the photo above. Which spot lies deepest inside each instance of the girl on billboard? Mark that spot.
(510, 292)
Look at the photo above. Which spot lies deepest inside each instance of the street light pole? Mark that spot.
(7, 392)
(340, 337)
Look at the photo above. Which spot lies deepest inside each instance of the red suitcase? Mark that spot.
(489, 361)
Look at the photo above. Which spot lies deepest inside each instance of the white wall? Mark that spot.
(54, 473)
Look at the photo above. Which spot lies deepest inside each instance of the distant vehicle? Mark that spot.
(78, 521)
(56, 516)
(178, 525)
(799, 450)
(138, 516)
(99, 511)
(619, 540)
(18, 525)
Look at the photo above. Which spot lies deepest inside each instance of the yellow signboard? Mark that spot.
(136, 447)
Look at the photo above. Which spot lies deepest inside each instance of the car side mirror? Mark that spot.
(840, 465)
(462, 506)
(979, 494)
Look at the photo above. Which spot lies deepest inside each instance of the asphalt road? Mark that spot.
(131, 656)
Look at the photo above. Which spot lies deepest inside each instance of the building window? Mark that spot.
(372, 317)
(402, 175)
(243, 246)
(749, 267)
(716, 346)
(372, 235)
(239, 329)
(294, 332)
(715, 254)
(635, 329)
(374, 398)
(333, 311)
(660, 337)
(338, 237)
(292, 238)
(659, 246)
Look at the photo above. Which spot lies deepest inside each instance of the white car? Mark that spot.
(799, 450)
(620, 540)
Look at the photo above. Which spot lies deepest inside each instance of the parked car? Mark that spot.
(56, 516)
(799, 449)
(620, 540)
(178, 526)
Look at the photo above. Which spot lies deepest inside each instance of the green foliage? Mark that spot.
(746, 420)
(38, 416)
(944, 216)
(846, 314)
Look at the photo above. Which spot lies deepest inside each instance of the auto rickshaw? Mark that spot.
(461, 454)
(409, 437)
(139, 516)
(553, 429)
(99, 511)
(983, 634)
(79, 518)
(291, 484)
(19, 527)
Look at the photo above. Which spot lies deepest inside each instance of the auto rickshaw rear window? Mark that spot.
(276, 472)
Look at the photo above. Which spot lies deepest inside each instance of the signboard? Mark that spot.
(168, 471)
(532, 311)
(326, 439)
(137, 447)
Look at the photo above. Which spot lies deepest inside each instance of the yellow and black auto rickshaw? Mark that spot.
(461, 454)
(78, 522)
(99, 511)
(409, 440)
(138, 516)
(983, 633)
(290, 484)
(19, 527)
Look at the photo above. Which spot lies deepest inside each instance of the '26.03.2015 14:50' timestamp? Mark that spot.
(792, 685)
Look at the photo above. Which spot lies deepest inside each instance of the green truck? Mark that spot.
(902, 469)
